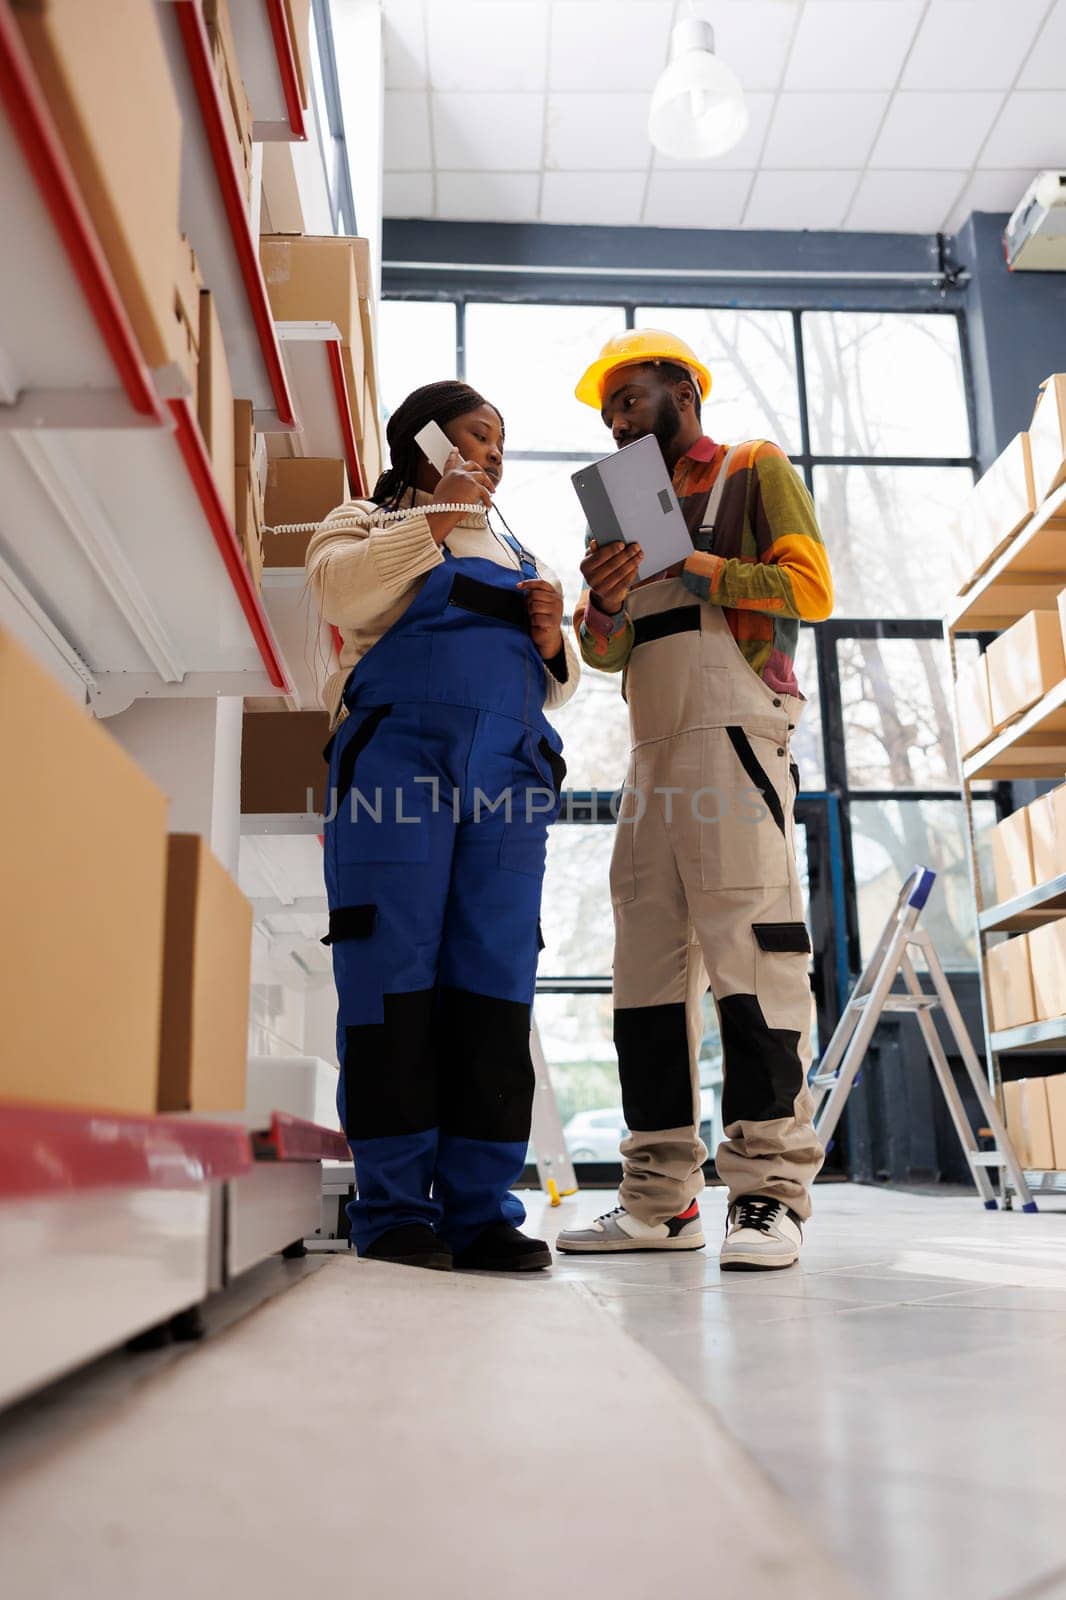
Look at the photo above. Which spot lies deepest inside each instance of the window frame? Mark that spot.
(825, 813)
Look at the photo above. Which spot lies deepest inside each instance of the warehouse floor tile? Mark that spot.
(884, 1421)
(905, 1386)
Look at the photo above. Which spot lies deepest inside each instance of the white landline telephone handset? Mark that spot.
(435, 446)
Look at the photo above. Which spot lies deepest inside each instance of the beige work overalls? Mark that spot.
(704, 888)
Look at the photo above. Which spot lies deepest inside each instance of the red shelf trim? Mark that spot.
(291, 1139)
(344, 412)
(198, 464)
(48, 1151)
(290, 78)
(198, 53)
(46, 160)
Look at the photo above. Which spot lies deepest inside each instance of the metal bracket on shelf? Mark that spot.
(35, 410)
(872, 995)
(116, 691)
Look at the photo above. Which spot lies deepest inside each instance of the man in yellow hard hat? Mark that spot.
(704, 884)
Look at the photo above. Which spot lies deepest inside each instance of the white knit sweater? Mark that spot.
(365, 577)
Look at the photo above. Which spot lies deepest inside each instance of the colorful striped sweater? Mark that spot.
(766, 565)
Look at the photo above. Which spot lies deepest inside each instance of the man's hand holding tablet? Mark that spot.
(610, 572)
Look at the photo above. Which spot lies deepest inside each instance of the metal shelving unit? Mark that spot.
(87, 443)
(1027, 575)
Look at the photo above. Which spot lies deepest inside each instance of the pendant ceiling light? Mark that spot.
(697, 106)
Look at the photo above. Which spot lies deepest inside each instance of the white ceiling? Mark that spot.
(897, 115)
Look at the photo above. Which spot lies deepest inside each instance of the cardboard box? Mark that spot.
(243, 433)
(1024, 663)
(1047, 961)
(1012, 856)
(281, 759)
(188, 286)
(1047, 436)
(974, 705)
(370, 452)
(1029, 1122)
(104, 73)
(1055, 1088)
(215, 403)
(316, 279)
(83, 850)
(282, 208)
(236, 110)
(1047, 832)
(1009, 977)
(303, 489)
(299, 16)
(207, 967)
(248, 520)
(998, 506)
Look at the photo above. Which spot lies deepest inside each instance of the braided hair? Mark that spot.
(434, 402)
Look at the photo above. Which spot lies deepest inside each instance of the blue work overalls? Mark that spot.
(443, 779)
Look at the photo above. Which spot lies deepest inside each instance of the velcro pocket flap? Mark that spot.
(351, 922)
(783, 938)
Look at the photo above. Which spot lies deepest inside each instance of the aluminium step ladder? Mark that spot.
(871, 996)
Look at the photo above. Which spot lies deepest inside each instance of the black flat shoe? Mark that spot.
(411, 1245)
(501, 1248)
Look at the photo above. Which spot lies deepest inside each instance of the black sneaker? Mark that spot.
(501, 1248)
(411, 1245)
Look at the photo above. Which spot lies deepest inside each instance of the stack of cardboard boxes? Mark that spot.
(1027, 973)
(1036, 1121)
(312, 279)
(1027, 660)
(125, 979)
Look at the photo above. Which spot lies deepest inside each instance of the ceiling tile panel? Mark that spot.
(935, 130)
(1046, 66)
(822, 130)
(408, 194)
(405, 44)
(490, 132)
(608, 44)
(406, 138)
(609, 198)
(1030, 132)
(696, 199)
(753, 37)
(480, 45)
(800, 199)
(904, 202)
(858, 44)
(488, 196)
(972, 44)
(594, 131)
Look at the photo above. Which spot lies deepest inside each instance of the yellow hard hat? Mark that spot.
(639, 344)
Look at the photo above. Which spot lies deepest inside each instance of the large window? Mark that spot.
(872, 409)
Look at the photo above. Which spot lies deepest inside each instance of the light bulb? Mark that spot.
(697, 106)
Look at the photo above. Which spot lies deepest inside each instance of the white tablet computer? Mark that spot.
(629, 496)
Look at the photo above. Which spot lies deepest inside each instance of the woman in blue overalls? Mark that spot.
(444, 775)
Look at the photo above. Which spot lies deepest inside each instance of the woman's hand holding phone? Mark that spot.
(461, 481)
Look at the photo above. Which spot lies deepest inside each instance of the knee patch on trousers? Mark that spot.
(486, 1071)
(653, 1066)
(390, 1071)
(763, 1072)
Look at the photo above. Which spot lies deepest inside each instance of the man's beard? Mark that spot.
(667, 422)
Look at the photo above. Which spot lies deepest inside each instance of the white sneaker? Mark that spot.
(617, 1230)
(760, 1233)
